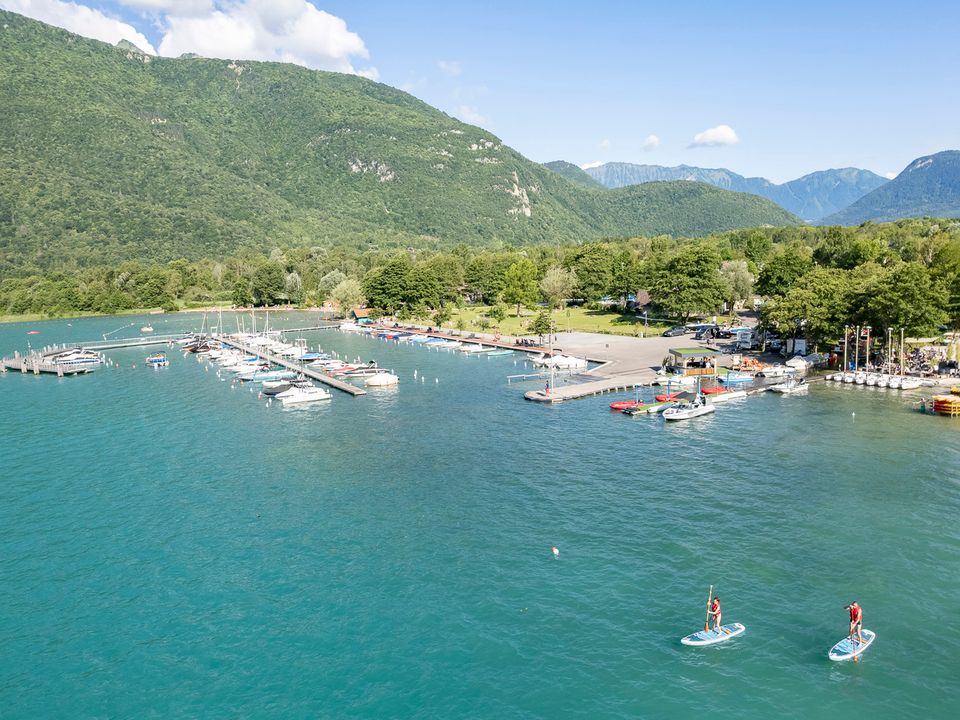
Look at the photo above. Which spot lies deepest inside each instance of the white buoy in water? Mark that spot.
(556, 552)
(436, 380)
(414, 373)
(422, 379)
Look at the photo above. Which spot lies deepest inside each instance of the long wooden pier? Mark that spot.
(291, 365)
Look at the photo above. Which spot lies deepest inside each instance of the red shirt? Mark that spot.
(716, 606)
(856, 613)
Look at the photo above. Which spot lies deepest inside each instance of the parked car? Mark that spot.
(707, 332)
(674, 331)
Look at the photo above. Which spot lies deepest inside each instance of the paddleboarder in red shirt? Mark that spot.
(856, 620)
(715, 611)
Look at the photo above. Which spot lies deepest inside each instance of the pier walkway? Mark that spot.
(36, 363)
(291, 365)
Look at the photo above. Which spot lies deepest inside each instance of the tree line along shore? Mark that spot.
(811, 281)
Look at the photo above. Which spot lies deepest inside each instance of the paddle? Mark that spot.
(706, 622)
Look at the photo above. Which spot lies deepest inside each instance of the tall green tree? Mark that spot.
(557, 285)
(520, 284)
(593, 264)
(904, 296)
(388, 286)
(690, 283)
(268, 282)
(780, 272)
(348, 294)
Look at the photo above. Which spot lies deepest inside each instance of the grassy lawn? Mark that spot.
(574, 318)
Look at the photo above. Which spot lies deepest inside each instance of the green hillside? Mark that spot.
(574, 173)
(107, 154)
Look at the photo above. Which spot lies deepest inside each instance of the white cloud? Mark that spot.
(470, 114)
(650, 143)
(450, 68)
(595, 163)
(178, 7)
(890, 175)
(292, 31)
(81, 20)
(715, 137)
(604, 144)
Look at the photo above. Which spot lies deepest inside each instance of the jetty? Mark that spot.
(39, 363)
(311, 373)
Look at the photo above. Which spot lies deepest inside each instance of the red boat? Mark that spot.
(668, 398)
(716, 390)
(624, 404)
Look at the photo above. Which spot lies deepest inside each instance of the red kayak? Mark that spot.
(668, 398)
(716, 390)
(624, 404)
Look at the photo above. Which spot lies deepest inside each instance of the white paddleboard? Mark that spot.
(712, 637)
(847, 650)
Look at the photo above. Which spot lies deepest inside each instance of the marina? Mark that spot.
(341, 474)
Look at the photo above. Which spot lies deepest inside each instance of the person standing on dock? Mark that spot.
(546, 389)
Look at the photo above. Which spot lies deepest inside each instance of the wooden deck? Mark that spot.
(291, 365)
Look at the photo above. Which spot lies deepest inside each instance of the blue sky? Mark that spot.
(799, 86)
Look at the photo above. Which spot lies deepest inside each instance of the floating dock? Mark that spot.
(291, 365)
(40, 364)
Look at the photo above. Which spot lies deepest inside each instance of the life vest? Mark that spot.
(856, 612)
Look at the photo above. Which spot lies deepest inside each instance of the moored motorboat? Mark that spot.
(791, 386)
(158, 360)
(688, 410)
(383, 379)
(299, 394)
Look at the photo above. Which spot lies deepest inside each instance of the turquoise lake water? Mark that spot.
(172, 547)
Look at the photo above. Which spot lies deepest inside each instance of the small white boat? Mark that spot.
(735, 377)
(883, 381)
(860, 378)
(909, 383)
(792, 386)
(383, 379)
(777, 371)
(689, 410)
(674, 379)
(147, 328)
(158, 360)
(299, 394)
(849, 378)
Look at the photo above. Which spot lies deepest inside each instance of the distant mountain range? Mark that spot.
(929, 186)
(107, 153)
(575, 173)
(811, 197)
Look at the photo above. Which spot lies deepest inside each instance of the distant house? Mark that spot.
(362, 316)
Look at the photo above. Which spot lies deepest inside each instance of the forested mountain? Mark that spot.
(927, 187)
(107, 154)
(811, 197)
(574, 173)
